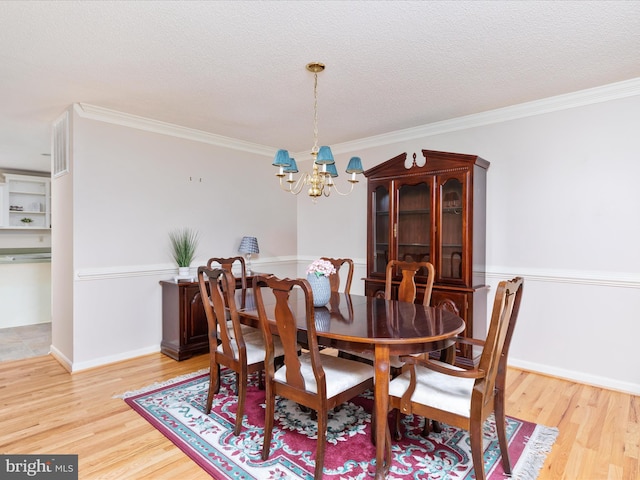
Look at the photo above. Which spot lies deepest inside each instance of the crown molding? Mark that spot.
(156, 126)
(613, 91)
(605, 93)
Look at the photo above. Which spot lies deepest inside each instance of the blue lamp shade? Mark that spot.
(324, 156)
(282, 159)
(249, 245)
(332, 170)
(355, 165)
(292, 167)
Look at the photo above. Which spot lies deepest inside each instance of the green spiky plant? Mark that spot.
(184, 242)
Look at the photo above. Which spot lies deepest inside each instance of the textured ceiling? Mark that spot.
(237, 68)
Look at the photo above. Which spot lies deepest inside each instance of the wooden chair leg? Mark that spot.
(322, 442)
(397, 436)
(373, 426)
(242, 394)
(475, 434)
(214, 385)
(502, 433)
(268, 422)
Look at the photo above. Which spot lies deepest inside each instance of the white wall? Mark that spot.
(130, 188)
(563, 210)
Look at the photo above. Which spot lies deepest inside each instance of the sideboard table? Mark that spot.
(184, 323)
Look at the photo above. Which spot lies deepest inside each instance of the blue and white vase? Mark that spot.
(321, 289)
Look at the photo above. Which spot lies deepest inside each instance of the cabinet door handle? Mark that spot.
(395, 230)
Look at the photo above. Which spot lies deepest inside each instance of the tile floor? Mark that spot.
(17, 343)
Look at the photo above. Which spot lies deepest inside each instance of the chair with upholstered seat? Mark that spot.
(319, 382)
(240, 349)
(465, 398)
(334, 280)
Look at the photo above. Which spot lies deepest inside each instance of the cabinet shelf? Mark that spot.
(414, 212)
(24, 192)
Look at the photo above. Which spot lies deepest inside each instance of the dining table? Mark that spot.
(368, 324)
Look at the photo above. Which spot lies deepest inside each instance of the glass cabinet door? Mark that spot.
(413, 230)
(450, 262)
(381, 229)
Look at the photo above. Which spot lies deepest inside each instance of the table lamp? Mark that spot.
(248, 245)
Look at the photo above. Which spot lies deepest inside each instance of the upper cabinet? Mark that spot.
(25, 202)
(431, 208)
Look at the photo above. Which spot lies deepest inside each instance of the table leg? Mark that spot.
(383, 444)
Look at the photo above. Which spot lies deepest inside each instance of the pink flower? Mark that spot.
(321, 268)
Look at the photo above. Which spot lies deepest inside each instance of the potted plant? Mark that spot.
(26, 220)
(184, 242)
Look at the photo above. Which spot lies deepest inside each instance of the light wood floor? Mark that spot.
(44, 409)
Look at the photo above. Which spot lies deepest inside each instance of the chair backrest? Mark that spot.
(227, 264)
(493, 360)
(407, 288)
(334, 280)
(285, 326)
(222, 315)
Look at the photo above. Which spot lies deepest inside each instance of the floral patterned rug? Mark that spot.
(176, 408)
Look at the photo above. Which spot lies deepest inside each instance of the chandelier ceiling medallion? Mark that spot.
(320, 180)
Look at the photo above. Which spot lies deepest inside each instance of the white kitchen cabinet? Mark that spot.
(26, 202)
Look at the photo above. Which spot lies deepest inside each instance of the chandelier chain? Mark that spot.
(314, 150)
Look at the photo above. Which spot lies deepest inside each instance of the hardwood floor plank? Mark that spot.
(44, 409)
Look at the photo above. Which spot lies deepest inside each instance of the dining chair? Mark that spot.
(319, 382)
(227, 263)
(407, 290)
(465, 398)
(334, 280)
(239, 349)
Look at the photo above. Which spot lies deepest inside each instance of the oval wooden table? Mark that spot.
(382, 327)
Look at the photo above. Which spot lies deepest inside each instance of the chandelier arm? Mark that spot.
(334, 187)
(296, 187)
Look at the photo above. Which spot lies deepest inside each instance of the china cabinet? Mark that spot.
(432, 208)
(25, 202)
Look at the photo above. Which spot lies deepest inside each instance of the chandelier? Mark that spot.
(320, 180)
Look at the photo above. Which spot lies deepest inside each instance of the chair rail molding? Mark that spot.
(577, 277)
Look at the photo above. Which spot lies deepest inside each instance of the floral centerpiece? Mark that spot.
(318, 277)
(321, 267)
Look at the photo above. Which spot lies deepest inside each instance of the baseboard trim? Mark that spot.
(98, 362)
(60, 358)
(577, 377)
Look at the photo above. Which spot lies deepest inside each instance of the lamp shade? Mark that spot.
(355, 165)
(281, 159)
(292, 167)
(332, 170)
(324, 156)
(249, 245)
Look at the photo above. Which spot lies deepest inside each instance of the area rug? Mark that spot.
(176, 408)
